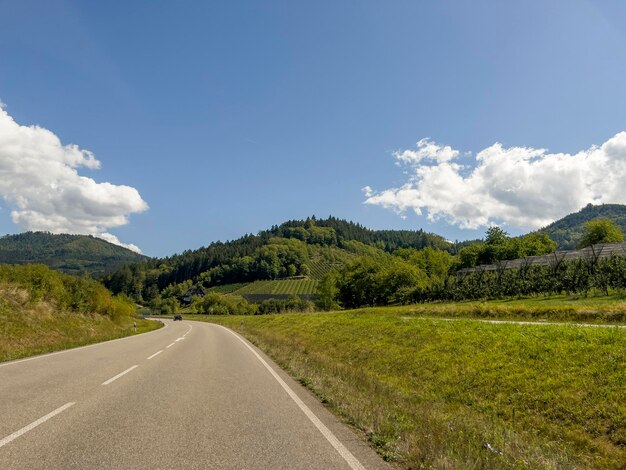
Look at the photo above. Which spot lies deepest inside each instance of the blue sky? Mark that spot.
(229, 117)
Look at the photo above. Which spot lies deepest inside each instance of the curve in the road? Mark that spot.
(168, 399)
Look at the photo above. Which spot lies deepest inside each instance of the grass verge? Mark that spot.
(28, 329)
(601, 309)
(463, 394)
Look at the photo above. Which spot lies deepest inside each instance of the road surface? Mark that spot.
(191, 395)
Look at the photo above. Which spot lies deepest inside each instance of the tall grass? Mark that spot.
(435, 394)
(42, 310)
(66, 292)
(555, 308)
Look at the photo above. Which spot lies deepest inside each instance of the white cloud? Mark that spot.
(368, 191)
(109, 237)
(518, 186)
(39, 181)
(429, 150)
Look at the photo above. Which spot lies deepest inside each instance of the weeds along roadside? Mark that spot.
(459, 394)
(43, 311)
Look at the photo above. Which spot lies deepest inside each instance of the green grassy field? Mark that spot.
(430, 393)
(280, 286)
(599, 309)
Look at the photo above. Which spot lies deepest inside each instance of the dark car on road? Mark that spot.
(178, 317)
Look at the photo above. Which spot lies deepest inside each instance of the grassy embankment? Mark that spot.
(430, 393)
(43, 311)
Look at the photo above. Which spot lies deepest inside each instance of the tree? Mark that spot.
(434, 263)
(468, 255)
(327, 291)
(496, 236)
(366, 282)
(601, 230)
(538, 243)
(499, 246)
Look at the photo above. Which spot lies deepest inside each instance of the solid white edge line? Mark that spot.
(119, 375)
(34, 424)
(155, 354)
(350, 459)
(169, 345)
(43, 356)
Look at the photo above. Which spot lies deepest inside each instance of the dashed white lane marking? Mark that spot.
(179, 339)
(190, 327)
(155, 354)
(169, 345)
(350, 459)
(34, 424)
(119, 375)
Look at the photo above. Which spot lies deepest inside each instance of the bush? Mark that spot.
(70, 293)
(215, 303)
(293, 304)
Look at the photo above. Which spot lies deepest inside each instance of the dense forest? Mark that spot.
(386, 240)
(71, 254)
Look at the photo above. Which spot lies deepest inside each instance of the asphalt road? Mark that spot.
(191, 395)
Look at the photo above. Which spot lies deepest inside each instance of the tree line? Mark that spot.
(409, 276)
(367, 274)
(272, 254)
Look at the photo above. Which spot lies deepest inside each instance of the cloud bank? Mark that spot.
(521, 187)
(39, 181)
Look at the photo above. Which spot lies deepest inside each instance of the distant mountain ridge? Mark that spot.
(568, 231)
(71, 254)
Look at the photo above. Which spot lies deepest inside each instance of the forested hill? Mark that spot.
(387, 240)
(71, 254)
(295, 257)
(568, 231)
(295, 248)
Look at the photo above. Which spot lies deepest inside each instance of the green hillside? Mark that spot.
(308, 248)
(71, 254)
(293, 257)
(568, 231)
(42, 310)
